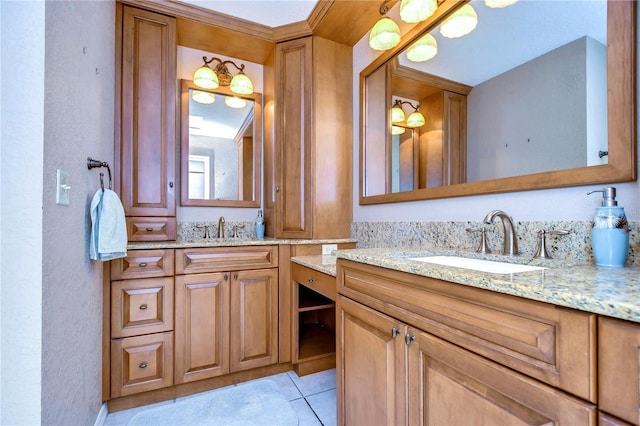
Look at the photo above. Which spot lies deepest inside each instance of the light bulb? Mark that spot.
(416, 119)
(397, 114)
(423, 49)
(460, 23)
(206, 78)
(412, 11)
(384, 35)
(241, 84)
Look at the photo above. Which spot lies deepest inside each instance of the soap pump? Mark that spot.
(610, 232)
(260, 226)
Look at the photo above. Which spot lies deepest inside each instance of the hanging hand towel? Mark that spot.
(108, 227)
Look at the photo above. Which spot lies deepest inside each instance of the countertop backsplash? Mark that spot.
(574, 246)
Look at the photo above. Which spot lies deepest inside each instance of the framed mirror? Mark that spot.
(220, 147)
(534, 122)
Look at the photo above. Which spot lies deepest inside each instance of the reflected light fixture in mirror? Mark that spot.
(424, 49)
(208, 78)
(235, 102)
(412, 11)
(385, 34)
(415, 119)
(497, 4)
(460, 23)
(397, 130)
(203, 97)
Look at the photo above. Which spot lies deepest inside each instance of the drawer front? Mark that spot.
(315, 280)
(619, 368)
(219, 259)
(143, 264)
(142, 363)
(141, 306)
(554, 345)
(152, 228)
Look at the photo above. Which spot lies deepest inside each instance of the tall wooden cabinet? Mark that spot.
(145, 144)
(308, 155)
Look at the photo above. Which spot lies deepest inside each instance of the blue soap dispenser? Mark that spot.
(610, 232)
(260, 226)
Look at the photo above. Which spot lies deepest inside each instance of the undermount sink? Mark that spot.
(478, 264)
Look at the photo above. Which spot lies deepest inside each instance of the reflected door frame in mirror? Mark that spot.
(186, 86)
(621, 88)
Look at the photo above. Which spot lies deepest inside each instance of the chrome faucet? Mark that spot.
(221, 227)
(510, 245)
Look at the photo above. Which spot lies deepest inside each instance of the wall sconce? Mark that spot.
(415, 119)
(422, 50)
(460, 23)
(497, 4)
(385, 34)
(208, 78)
(412, 11)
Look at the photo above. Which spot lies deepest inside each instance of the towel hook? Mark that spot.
(91, 164)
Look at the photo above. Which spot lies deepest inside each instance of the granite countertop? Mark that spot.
(322, 263)
(229, 242)
(613, 292)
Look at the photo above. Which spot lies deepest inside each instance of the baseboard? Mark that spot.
(102, 415)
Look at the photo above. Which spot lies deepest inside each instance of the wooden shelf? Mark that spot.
(310, 300)
(316, 341)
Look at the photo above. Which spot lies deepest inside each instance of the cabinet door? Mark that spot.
(201, 326)
(448, 385)
(293, 139)
(148, 115)
(254, 319)
(370, 365)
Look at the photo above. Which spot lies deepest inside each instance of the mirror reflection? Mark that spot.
(220, 147)
(525, 92)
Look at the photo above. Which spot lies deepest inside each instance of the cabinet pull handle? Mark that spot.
(277, 189)
(143, 365)
(394, 332)
(226, 277)
(312, 280)
(235, 276)
(170, 184)
(409, 338)
(143, 307)
(149, 228)
(143, 264)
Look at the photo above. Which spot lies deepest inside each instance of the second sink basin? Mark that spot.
(478, 264)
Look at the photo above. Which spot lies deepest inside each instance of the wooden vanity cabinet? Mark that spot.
(308, 157)
(226, 313)
(145, 137)
(432, 352)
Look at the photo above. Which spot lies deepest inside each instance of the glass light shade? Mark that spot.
(384, 35)
(241, 84)
(460, 23)
(412, 11)
(235, 102)
(206, 78)
(397, 114)
(423, 49)
(397, 130)
(497, 4)
(416, 119)
(203, 97)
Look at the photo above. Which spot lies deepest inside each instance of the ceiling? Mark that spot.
(266, 12)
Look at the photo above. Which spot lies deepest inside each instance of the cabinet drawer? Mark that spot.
(619, 368)
(554, 345)
(152, 228)
(315, 280)
(143, 264)
(142, 363)
(141, 306)
(219, 259)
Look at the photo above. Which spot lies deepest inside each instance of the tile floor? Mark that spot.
(313, 398)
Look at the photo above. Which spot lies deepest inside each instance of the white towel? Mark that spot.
(108, 227)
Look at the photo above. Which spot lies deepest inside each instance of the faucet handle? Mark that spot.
(483, 247)
(541, 252)
(206, 230)
(235, 229)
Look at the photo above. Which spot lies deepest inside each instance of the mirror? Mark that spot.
(467, 147)
(220, 147)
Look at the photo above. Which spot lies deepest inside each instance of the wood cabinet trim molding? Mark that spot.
(218, 259)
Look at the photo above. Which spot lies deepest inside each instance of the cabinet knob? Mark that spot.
(312, 280)
(170, 184)
(235, 276)
(277, 189)
(143, 264)
(226, 277)
(143, 365)
(143, 307)
(149, 228)
(395, 332)
(409, 338)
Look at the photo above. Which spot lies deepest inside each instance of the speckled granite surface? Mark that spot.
(613, 292)
(227, 242)
(325, 264)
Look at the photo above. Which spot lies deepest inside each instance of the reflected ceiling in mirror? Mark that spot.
(525, 93)
(220, 147)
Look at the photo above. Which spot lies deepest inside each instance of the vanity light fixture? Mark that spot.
(385, 34)
(397, 130)
(235, 102)
(422, 50)
(203, 97)
(412, 11)
(208, 78)
(415, 119)
(460, 23)
(497, 4)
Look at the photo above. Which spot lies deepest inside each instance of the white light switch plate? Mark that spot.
(62, 188)
(329, 248)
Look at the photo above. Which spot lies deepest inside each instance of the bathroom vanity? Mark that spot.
(433, 344)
